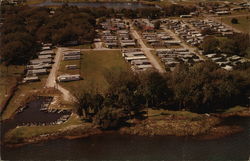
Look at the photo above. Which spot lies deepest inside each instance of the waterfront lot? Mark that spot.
(23, 92)
(93, 66)
(23, 132)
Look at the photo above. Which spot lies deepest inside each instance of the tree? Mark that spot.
(155, 89)
(157, 24)
(205, 88)
(210, 45)
(234, 21)
(228, 46)
(207, 31)
(110, 118)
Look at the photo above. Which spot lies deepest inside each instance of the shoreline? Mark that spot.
(214, 130)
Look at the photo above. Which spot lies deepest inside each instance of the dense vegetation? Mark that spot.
(202, 88)
(24, 28)
(238, 44)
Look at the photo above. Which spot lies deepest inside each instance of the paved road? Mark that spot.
(146, 50)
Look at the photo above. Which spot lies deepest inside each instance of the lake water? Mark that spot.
(115, 5)
(125, 147)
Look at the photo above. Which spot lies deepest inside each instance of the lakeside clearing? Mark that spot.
(93, 66)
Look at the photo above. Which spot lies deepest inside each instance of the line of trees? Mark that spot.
(202, 88)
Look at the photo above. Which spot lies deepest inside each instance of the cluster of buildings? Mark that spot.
(70, 55)
(190, 35)
(225, 9)
(214, 26)
(40, 65)
(172, 57)
(117, 34)
(225, 61)
(159, 39)
(137, 59)
(144, 24)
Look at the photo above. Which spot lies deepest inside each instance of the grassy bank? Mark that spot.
(177, 123)
(8, 79)
(93, 66)
(158, 122)
(24, 134)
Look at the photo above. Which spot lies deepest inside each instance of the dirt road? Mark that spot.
(51, 80)
(146, 50)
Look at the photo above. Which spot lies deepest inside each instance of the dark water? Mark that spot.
(32, 114)
(115, 5)
(124, 147)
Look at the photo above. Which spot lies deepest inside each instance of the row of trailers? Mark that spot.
(41, 65)
(70, 55)
(137, 59)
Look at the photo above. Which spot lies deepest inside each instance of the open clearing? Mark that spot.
(93, 66)
(243, 25)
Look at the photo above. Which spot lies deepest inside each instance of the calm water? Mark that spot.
(32, 114)
(115, 5)
(124, 147)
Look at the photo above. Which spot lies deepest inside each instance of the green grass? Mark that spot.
(94, 65)
(243, 23)
(31, 2)
(162, 112)
(23, 132)
(236, 109)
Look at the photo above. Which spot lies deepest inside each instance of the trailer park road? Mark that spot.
(146, 50)
(51, 81)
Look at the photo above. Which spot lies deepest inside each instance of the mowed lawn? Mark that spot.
(243, 23)
(93, 66)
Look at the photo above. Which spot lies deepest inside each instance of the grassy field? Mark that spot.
(93, 66)
(31, 2)
(8, 79)
(243, 24)
(158, 113)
